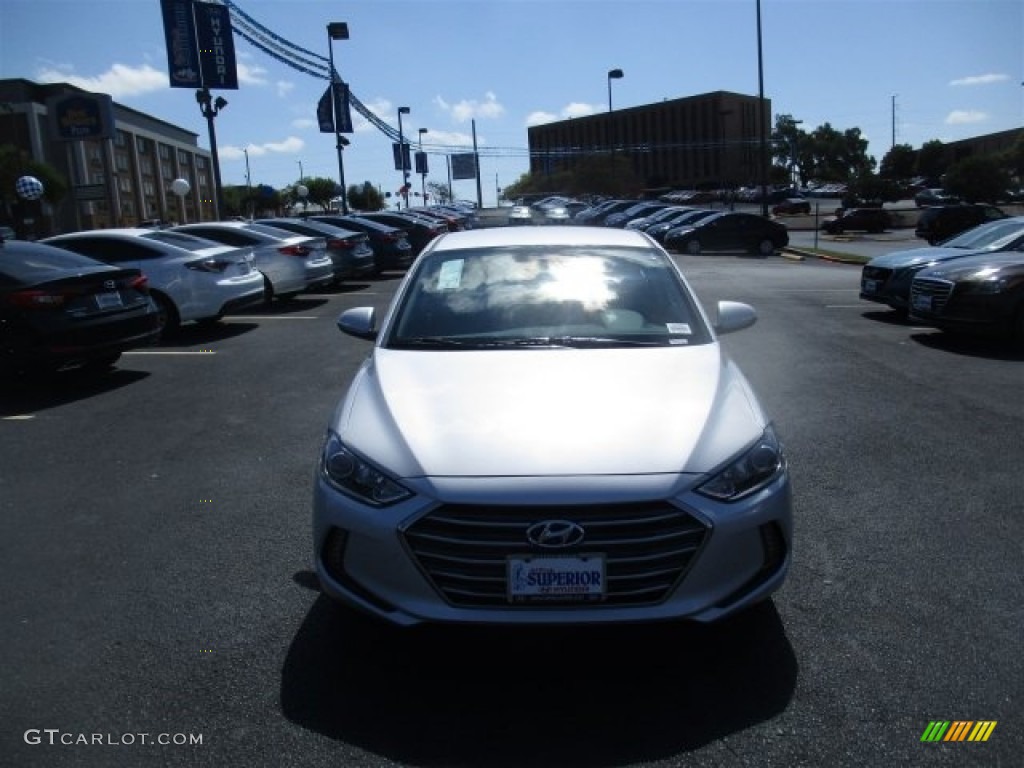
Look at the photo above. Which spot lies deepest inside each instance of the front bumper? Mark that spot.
(391, 562)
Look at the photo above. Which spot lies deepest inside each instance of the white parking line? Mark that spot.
(170, 352)
(251, 318)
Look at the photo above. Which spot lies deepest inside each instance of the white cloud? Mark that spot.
(569, 111)
(289, 146)
(250, 74)
(578, 109)
(119, 81)
(284, 87)
(469, 109)
(304, 123)
(539, 118)
(965, 117)
(980, 80)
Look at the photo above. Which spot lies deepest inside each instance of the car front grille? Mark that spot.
(937, 291)
(463, 549)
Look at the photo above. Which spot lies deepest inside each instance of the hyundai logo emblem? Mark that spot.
(109, 285)
(555, 534)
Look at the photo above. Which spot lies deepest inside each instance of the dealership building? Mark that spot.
(709, 140)
(119, 164)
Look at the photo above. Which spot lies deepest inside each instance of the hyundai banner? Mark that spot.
(200, 46)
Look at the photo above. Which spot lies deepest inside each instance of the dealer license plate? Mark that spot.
(561, 578)
(109, 300)
(923, 303)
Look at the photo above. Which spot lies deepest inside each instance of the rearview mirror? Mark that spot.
(734, 316)
(360, 322)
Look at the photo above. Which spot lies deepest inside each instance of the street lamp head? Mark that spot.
(337, 30)
(343, 141)
(403, 110)
(220, 103)
(202, 96)
(615, 74)
(424, 130)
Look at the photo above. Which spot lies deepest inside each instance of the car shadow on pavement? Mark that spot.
(194, 334)
(564, 696)
(970, 345)
(293, 306)
(23, 395)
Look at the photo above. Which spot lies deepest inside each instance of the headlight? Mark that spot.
(986, 286)
(352, 475)
(755, 468)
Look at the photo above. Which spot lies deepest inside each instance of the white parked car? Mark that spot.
(290, 263)
(190, 279)
(548, 431)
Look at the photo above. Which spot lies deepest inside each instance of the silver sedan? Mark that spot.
(547, 430)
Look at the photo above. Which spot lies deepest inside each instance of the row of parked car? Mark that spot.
(80, 299)
(971, 283)
(682, 228)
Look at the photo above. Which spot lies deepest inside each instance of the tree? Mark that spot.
(439, 191)
(321, 190)
(931, 160)
(789, 148)
(365, 197)
(978, 179)
(898, 163)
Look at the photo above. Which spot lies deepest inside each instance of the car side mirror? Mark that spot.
(734, 316)
(360, 322)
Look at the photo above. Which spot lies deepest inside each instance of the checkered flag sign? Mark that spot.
(29, 188)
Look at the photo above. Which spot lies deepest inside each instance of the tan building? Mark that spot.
(116, 182)
(710, 140)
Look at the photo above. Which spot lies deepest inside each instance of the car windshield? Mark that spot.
(993, 236)
(529, 296)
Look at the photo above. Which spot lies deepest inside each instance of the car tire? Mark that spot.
(766, 247)
(168, 319)
(692, 247)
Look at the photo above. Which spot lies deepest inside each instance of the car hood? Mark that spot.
(992, 263)
(915, 256)
(549, 411)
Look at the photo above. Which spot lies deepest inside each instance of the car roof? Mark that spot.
(549, 235)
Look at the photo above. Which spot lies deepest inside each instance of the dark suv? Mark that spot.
(858, 219)
(941, 222)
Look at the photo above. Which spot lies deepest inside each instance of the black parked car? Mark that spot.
(729, 231)
(976, 294)
(680, 219)
(421, 231)
(941, 222)
(858, 220)
(59, 309)
(350, 251)
(390, 244)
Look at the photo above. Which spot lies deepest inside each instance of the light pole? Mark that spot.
(210, 108)
(401, 155)
(301, 174)
(423, 171)
(248, 183)
(337, 30)
(762, 119)
(613, 74)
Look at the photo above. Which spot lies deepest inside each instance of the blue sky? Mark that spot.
(955, 68)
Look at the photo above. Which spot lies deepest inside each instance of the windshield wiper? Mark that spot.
(584, 341)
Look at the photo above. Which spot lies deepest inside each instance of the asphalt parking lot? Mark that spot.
(155, 554)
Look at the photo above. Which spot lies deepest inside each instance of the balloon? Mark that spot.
(29, 188)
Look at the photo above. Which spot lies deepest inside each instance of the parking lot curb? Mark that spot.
(796, 254)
